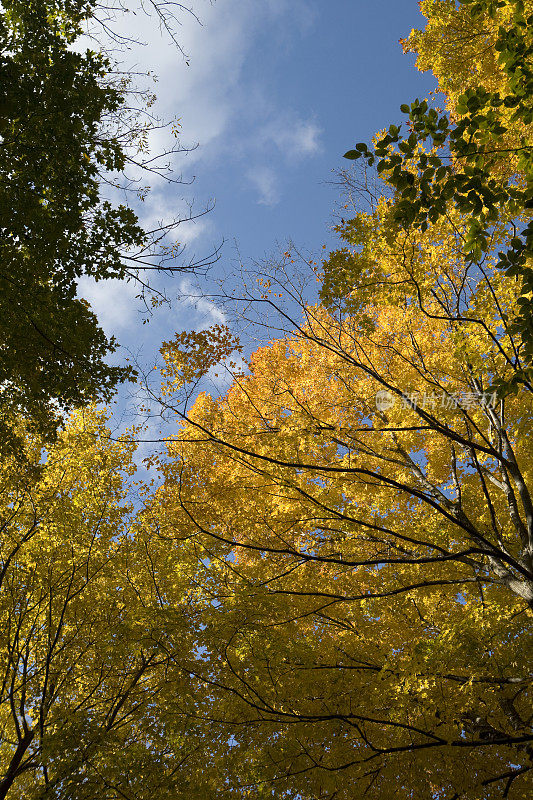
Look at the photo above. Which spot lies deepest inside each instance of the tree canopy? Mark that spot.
(327, 590)
(360, 498)
(479, 161)
(329, 594)
(361, 501)
(64, 125)
(96, 628)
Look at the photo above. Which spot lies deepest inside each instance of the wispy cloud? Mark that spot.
(231, 113)
(113, 301)
(295, 138)
(220, 107)
(265, 180)
(207, 312)
(161, 209)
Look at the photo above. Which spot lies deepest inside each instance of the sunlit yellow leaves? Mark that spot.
(356, 503)
(93, 620)
(459, 49)
(190, 355)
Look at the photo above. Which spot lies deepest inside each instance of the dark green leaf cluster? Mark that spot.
(54, 225)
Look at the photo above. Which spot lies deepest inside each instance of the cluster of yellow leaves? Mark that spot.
(459, 50)
(191, 354)
(356, 626)
(93, 627)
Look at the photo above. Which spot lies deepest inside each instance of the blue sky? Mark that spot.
(275, 92)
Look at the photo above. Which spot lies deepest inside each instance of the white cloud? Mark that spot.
(201, 94)
(219, 107)
(190, 230)
(113, 301)
(207, 312)
(296, 138)
(159, 210)
(230, 114)
(265, 180)
(219, 378)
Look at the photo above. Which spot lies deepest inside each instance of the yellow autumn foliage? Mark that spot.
(360, 504)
